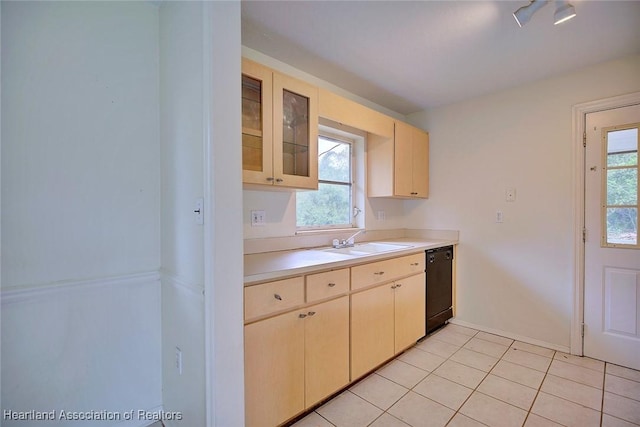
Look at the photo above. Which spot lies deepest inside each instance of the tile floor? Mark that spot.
(461, 377)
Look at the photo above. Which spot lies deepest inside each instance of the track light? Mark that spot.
(564, 11)
(524, 14)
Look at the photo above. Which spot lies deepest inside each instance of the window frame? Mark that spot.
(328, 135)
(604, 242)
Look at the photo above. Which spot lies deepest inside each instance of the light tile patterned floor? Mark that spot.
(460, 377)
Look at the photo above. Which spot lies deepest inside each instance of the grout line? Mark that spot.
(486, 374)
(539, 390)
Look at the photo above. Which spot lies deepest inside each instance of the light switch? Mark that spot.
(499, 217)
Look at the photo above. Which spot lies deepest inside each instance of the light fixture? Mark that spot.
(564, 12)
(524, 14)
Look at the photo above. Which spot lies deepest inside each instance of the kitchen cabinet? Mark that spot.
(387, 318)
(399, 167)
(326, 353)
(274, 369)
(347, 112)
(279, 129)
(410, 305)
(295, 359)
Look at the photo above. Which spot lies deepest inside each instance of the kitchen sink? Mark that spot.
(370, 248)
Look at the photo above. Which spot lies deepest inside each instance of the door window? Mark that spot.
(620, 186)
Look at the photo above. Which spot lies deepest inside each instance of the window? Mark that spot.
(332, 205)
(620, 204)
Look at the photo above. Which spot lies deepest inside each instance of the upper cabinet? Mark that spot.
(347, 112)
(279, 129)
(399, 166)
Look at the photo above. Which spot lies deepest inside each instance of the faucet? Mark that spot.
(348, 242)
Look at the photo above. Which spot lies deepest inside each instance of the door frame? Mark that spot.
(578, 153)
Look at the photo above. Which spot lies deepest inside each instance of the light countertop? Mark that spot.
(277, 265)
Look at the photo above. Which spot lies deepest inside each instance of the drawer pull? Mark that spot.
(278, 297)
(331, 285)
(393, 286)
(379, 273)
(302, 315)
(398, 285)
(415, 264)
(311, 313)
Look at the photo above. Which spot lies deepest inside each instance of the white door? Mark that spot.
(612, 250)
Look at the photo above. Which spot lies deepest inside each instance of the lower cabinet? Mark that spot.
(386, 320)
(326, 330)
(294, 360)
(410, 311)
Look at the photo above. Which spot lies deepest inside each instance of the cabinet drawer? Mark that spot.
(325, 285)
(384, 271)
(260, 300)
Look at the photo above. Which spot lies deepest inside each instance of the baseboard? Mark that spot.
(511, 335)
(26, 293)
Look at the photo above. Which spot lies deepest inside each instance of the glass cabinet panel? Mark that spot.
(295, 134)
(252, 129)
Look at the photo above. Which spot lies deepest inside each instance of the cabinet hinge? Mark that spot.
(584, 235)
(582, 330)
(584, 139)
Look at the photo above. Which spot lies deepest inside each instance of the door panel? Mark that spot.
(326, 349)
(612, 264)
(372, 330)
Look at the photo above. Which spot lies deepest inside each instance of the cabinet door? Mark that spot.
(257, 123)
(326, 349)
(295, 133)
(420, 159)
(372, 329)
(410, 305)
(403, 160)
(274, 369)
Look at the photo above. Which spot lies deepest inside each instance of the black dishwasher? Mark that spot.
(439, 275)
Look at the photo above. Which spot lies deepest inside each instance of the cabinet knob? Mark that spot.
(311, 313)
(399, 285)
(331, 285)
(278, 297)
(415, 264)
(379, 273)
(302, 315)
(270, 179)
(393, 286)
(279, 180)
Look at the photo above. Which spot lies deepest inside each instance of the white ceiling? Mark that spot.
(413, 55)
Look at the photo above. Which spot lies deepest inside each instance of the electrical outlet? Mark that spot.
(381, 216)
(258, 218)
(510, 194)
(179, 360)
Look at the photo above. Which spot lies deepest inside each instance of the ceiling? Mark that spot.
(410, 56)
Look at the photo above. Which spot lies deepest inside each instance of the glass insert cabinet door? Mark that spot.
(257, 123)
(295, 133)
(279, 129)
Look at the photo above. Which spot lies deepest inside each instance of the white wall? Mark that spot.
(516, 276)
(81, 198)
(181, 129)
